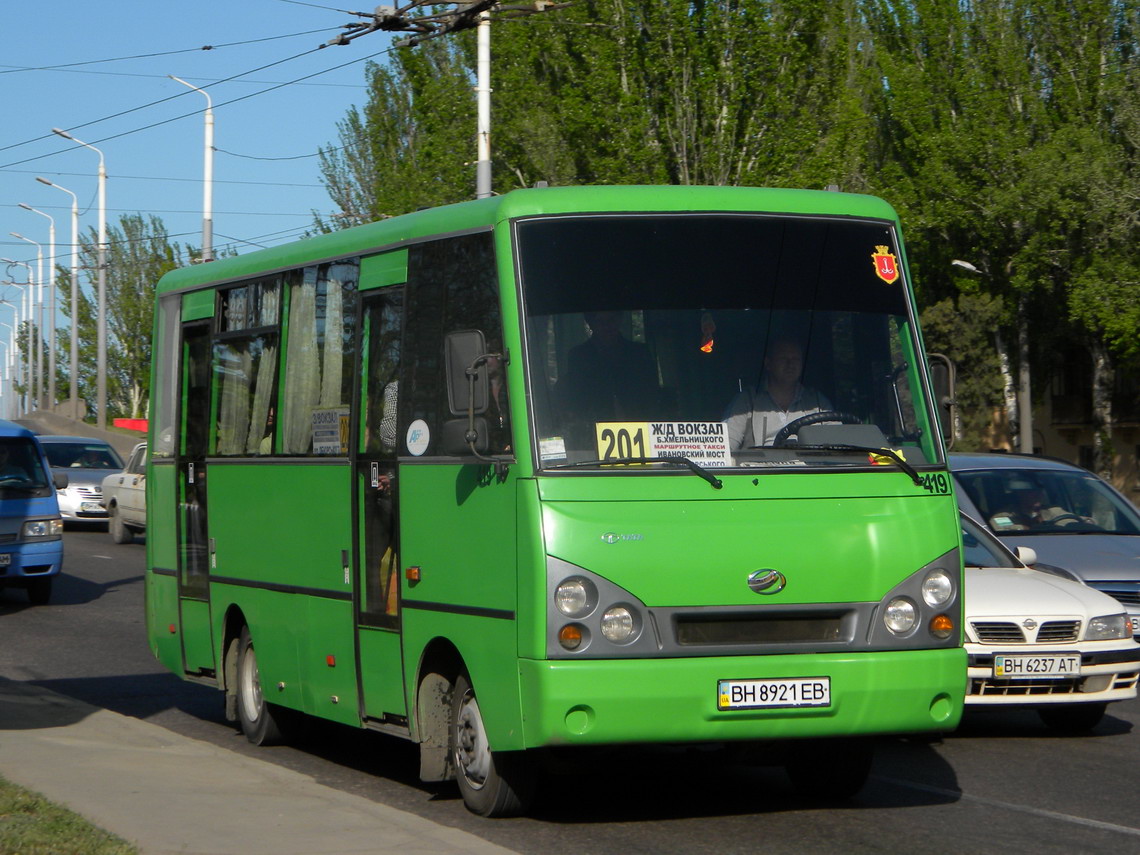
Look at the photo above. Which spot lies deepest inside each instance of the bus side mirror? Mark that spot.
(461, 350)
(60, 480)
(942, 379)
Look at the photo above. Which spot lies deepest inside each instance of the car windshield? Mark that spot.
(81, 455)
(21, 469)
(703, 336)
(1048, 502)
(981, 549)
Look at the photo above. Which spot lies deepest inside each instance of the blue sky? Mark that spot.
(266, 175)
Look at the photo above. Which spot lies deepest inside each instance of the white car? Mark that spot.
(124, 495)
(1038, 640)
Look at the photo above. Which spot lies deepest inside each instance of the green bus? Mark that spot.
(504, 478)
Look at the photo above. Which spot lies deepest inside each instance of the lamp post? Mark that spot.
(101, 328)
(20, 316)
(207, 175)
(35, 356)
(51, 307)
(73, 392)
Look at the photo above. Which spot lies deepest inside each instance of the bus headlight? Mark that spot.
(575, 597)
(618, 624)
(900, 616)
(937, 588)
(1108, 626)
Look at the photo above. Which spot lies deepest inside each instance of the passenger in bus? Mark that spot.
(755, 415)
(608, 377)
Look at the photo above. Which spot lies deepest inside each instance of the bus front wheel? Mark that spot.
(493, 784)
(255, 714)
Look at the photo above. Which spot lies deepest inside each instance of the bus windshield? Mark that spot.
(736, 340)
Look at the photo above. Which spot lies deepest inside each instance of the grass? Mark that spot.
(31, 825)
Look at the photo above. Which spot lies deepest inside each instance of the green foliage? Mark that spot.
(1006, 132)
(139, 253)
(31, 825)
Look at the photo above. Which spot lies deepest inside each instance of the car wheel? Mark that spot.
(258, 717)
(119, 531)
(39, 591)
(493, 784)
(830, 769)
(1077, 718)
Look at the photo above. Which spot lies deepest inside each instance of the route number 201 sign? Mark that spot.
(705, 443)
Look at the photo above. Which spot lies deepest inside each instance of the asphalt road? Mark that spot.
(1002, 782)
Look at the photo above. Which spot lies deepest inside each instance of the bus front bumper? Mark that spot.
(595, 702)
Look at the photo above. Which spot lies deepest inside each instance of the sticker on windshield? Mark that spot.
(705, 443)
(886, 265)
(551, 449)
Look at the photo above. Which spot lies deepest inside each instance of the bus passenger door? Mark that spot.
(193, 540)
(377, 502)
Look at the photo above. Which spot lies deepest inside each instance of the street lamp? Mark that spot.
(1024, 401)
(101, 327)
(51, 311)
(74, 371)
(20, 317)
(207, 175)
(37, 289)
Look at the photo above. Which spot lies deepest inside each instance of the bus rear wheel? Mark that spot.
(493, 784)
(258, 722)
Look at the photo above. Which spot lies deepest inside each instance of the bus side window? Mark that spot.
(452, 285)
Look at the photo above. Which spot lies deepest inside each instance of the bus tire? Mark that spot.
(1076, 718)
(256, 715)
(39, 591)
(119, 532)
(830, 769)
(493, 784)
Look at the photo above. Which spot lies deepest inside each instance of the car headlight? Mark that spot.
(900, 616)
(39, 529)
(1108, 626)
(937, 588)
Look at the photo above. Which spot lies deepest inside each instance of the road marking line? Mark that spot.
(1042, 812)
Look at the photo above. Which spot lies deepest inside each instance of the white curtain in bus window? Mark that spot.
(317, 384)
(245, 367)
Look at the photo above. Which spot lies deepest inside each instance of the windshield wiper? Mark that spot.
(893, 455)
(696, 468)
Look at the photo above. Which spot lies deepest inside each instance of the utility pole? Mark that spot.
(439, 20)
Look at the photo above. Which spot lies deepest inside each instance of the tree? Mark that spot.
(139, 253)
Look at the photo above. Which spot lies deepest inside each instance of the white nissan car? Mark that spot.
(1038, 640)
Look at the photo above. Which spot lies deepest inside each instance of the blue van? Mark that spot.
(31, 530)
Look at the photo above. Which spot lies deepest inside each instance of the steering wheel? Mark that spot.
(793, 426)
(1076, 517)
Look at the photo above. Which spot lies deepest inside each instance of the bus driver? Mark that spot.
(756, 415)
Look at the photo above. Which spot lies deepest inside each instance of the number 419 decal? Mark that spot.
(936, 482)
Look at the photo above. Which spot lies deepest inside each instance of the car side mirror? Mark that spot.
(1027, 555)
(59, 479)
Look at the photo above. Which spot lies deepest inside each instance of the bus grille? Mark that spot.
(784, 629)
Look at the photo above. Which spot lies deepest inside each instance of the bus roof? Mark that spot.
(390, 233)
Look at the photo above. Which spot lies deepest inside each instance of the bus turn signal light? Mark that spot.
(570, 636)
(941, 626)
